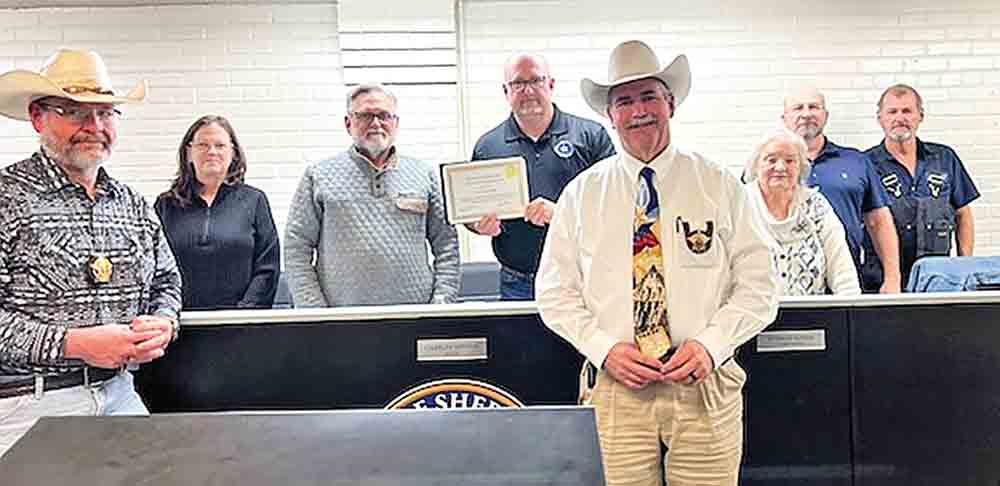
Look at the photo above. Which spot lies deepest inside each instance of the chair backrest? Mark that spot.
(283, 296)
(480, 282)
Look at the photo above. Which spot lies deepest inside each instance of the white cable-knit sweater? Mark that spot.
(810, 247)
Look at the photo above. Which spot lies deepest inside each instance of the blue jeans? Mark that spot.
(116, 396)
(120, 397)
(515, 285)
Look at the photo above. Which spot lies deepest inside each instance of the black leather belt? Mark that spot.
(55, 382)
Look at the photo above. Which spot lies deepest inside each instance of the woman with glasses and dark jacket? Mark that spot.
(220, 229)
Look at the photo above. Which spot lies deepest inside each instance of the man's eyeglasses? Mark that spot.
(366, 117)
(205, 147)
(520, 85)
(80, 114)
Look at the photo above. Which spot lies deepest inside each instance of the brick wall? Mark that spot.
(744, 54)
(413, 52)
(273, 69)
(276, 70)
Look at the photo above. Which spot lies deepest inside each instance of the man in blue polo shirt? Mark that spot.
(847, 179)
(928, 187)
(556, 146)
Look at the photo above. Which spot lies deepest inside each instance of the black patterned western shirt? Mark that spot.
(50, 232)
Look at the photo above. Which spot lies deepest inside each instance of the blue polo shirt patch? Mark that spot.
(564, 149)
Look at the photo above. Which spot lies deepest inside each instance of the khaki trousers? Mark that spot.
(701, 426)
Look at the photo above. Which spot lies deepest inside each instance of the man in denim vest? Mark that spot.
(928, 187)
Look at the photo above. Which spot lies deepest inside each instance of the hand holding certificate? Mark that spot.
(475, 189)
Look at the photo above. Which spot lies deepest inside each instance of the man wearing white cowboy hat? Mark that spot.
(663, 235)
(88, 285)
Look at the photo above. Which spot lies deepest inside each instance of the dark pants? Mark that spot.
(872, 277)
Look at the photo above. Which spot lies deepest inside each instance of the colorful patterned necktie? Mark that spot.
(649, 306)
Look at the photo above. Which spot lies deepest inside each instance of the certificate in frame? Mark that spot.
(474, 189)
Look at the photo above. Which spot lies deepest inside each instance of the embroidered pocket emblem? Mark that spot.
(698, 241)
(935, 182)
(892, 185)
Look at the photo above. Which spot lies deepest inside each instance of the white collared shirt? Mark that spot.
(721, 296)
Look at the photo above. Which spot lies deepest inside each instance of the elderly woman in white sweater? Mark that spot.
(810, 249)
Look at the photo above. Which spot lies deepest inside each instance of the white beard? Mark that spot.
(68, 154)
(374, 146)
(809, 132)
(900, 134)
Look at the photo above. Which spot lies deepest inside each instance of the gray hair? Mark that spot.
(363, 89)
(781, 134)
(901, 89)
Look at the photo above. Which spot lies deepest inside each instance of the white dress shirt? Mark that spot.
(721, 297)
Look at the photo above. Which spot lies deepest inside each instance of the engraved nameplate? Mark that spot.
(779, 341)
(451, 349)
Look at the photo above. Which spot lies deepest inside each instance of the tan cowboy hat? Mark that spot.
(78, 75)
(634, 60)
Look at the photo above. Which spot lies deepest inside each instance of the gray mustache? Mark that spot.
(638, 122)
(90, 139)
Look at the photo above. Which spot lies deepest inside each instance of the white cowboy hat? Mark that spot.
(78, 75)
(634, 60)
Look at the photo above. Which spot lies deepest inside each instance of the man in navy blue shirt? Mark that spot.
(556, 146)
(928, 187)
(847, 178)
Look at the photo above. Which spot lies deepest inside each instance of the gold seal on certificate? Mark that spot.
(474, 189)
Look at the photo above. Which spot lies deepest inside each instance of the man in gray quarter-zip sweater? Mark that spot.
(360, 222)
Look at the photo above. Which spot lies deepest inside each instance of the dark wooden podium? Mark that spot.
(869, 390)
(482, 447)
